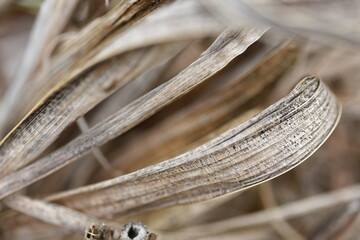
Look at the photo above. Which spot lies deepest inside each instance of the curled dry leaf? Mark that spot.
(273, 142)
(65, 75)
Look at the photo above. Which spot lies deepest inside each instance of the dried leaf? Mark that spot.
(69, 102)
(273, 142)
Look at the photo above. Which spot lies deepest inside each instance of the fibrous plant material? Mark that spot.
(287, 211)
(270, 144)
(99, 79)
(52, 213)
(229, 45)
(328, 19)
(53, 17)
(309, 101)
(70, 102)
(195, 122)
(122, 112)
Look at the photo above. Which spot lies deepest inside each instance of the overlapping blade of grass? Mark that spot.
(273, 142)
(202, 117)
(52, 213)
(52, 18)
(188, 20)
(327, 20)
(75, 96)
(39, 129)
(229, 45)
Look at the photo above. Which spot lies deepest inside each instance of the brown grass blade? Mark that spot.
(340, 225)
(88, 41)
(287, 211)
(52, 213)
(69, 102)
(229, 45)
(227, 102)
(52, 18)
(124, 96)
(273, 142)
(16, 150)
(330, 20)
(161, 27)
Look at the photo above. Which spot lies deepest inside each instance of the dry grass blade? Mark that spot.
(188, 20)
(229, 45)
(97, 153)
(88, 42)
(69, 102)
(166, 25)
(167, 113)
(124, 96)
(51, 213)
(252, 234)
(204, 116)
(53, 17)
(273, 142)
(282, 227)
(340, 224)
(327, 19)
(289, 210)
(98, 78)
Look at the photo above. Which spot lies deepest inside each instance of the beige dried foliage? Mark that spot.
(211, 169)
(162, 111)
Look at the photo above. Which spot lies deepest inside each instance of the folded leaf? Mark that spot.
(273, 142)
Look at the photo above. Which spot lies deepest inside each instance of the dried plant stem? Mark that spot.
(52, 213)
(290, 210)
(99, 156)
(339, 225)
(278, 222)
